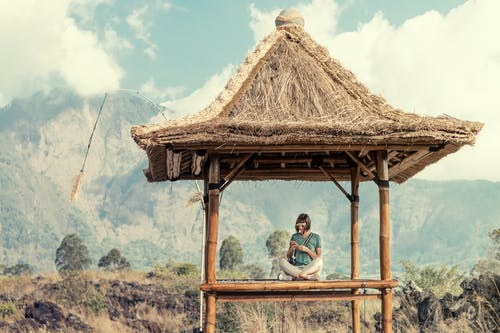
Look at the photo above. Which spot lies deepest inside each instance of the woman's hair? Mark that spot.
(303, 218)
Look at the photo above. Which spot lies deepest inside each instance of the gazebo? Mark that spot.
(292, 112)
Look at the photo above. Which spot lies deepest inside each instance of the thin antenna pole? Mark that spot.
(202, 270)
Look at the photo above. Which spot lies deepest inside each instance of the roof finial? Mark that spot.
(289, 17)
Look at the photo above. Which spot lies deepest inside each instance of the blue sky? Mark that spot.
(428, 57)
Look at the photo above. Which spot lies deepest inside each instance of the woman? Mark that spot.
(305, 246)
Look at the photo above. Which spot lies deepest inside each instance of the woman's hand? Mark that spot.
(303, 248)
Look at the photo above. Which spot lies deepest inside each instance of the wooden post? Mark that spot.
(384, 240)
(355, 176)
(213, 220)
(210, 316)
(204, 300)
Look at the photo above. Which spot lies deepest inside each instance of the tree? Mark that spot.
(18, 269)
(277, 243)
(231, 253)
(113, 261)
(277, 246)
(72, 255)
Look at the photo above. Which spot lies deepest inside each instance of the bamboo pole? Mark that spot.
(203, 277)
(309, 296)
(356, 317)
(210, 316)
(384, 242)
(213, 217)
(297, 285)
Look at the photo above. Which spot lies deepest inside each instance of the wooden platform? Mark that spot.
(277, 290)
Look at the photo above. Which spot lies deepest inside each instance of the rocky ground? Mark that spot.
(87, 304)
(476, 309)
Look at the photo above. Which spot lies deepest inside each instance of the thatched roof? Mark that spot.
(291, 93)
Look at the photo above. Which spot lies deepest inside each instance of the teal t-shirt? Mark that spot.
(302, 258)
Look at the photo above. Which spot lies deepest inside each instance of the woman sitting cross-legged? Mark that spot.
(305, 247)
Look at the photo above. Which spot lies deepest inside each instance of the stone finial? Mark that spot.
(289, 17)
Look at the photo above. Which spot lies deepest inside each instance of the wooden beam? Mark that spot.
(408, 162)
(384, 243)
(232, 148)
(360, 164)
(235, 172)
(355, 308)
(213, 218)
(213, 213)
(280, 159)
(297, 285)
(312, 295)
(210, 315)
(387, 311)
(336, 183)
(197, 165)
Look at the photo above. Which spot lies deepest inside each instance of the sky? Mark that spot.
(429, 57)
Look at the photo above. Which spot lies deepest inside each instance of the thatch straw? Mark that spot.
(77, 184)
(290, 91)
(195, 198)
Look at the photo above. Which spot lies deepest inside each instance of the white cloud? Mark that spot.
(41, 43)
(84, 9)
(113, 42)
(166, 5)
(201, 97)
(431, 64)
(140, 25)
(151, 90)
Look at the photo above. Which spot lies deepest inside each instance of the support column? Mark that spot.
(213, 221)
(355, 177)
(384, 240)
(203, 297)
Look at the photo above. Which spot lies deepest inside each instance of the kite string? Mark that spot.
(92, 133)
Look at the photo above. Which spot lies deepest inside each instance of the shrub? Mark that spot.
(436, 280)
(7, 310)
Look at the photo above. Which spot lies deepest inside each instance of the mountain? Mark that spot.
(43, 142)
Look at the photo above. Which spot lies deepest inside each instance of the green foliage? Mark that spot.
(114, 261)
(96, 303)
(77, 290)
(185, 269)
(231, 253)
(277, 243)
(72, 255)
(7, 310)
(17, 269)
(495, 237)
(436, 280)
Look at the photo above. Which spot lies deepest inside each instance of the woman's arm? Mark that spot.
(312, 254)
(293, 246)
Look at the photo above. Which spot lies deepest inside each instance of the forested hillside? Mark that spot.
(43, 140)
